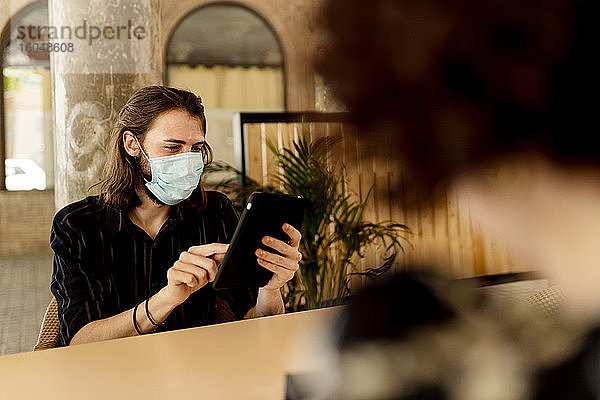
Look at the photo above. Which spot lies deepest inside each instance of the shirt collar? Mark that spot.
(118, 220)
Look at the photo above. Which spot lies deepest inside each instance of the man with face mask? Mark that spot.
(138, 257)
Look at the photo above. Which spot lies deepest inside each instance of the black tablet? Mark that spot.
(264, 215)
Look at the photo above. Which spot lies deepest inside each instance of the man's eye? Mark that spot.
(196, 149)
(172, 147)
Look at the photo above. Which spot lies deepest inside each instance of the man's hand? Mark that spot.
(194, 269)
(283, 266)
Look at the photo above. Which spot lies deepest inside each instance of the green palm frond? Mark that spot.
(335, 234)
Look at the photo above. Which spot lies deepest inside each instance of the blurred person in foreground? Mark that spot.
(500, 99)
(140, 256)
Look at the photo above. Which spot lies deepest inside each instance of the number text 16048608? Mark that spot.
(43, 47)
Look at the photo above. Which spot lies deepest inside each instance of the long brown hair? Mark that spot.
(117, 184)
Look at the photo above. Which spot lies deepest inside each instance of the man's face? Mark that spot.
(173, 132)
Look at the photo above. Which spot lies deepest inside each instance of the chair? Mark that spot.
(48, 337)
(548, 300)
(523, 287)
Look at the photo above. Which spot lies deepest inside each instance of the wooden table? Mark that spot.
(238, 360)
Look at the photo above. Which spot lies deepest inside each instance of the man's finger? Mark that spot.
(208, 250)
(218, 258)
(178, 277)
(282, 273)
(203, 262)
(276, 259)
(282, 247)
(200, 273)
(293, 233)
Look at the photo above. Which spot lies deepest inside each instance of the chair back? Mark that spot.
(548, 300)
(48, 337)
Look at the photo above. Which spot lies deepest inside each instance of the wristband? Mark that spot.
(148, 313)
(135, 325)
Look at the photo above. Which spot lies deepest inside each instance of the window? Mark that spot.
(27, 145)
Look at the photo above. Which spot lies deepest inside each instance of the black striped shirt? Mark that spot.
(104, 263)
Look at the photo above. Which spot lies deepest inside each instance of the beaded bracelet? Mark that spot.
(148, 314)
(137, 328)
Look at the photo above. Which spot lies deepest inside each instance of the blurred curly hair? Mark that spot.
(450, 84)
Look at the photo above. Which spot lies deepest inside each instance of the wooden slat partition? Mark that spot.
(443, 236)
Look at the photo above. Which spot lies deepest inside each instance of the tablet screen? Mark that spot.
(264, 215)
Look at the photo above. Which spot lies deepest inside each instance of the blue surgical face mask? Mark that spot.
(175, 177)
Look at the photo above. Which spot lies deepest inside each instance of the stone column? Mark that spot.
(102, 52)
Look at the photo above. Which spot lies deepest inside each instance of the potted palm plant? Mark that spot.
(335, 234)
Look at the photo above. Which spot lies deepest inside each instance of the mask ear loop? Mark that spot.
(147, 158)
(141, 149)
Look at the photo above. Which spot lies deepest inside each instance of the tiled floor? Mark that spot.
(24, 296)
